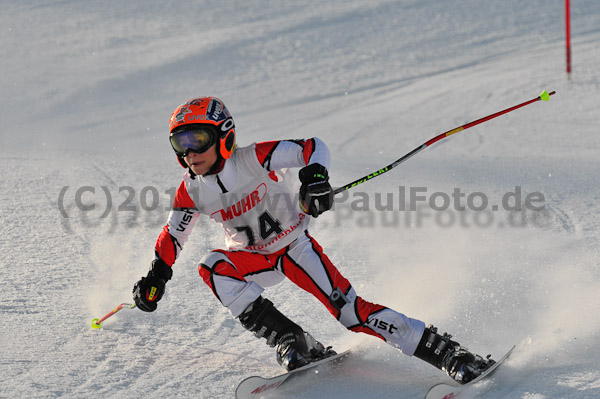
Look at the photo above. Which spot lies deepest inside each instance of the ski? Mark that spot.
(447, 391)
(256, 386)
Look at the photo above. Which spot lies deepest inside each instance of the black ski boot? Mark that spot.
(447, 355)
(295, 347)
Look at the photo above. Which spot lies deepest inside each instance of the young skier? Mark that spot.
(248, 191)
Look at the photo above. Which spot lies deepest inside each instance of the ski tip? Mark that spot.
(545, 96)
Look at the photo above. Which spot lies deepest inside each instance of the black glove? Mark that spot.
(148, 291)
(316, 195)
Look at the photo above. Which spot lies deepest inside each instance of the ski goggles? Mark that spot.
(194, 140)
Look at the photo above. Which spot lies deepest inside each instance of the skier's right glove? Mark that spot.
(148, 290)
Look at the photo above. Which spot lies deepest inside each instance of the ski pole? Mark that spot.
(97, 323)
(545, 96)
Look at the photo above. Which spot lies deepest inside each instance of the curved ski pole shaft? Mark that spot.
(97, 323)
(542, 97)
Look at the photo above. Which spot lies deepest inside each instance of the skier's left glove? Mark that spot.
(150, 289)
(316, 195)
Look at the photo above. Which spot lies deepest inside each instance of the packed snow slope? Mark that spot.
(87, 90)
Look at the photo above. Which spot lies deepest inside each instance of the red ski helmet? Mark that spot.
(205, 111)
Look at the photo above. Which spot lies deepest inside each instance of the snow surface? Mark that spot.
(87, 90)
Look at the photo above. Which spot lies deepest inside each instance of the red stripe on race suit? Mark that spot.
(264, 150)
(365, 309)
(308, 150)
(165, 248)
(182, 198)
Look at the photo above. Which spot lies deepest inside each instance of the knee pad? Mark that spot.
(344, 304)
